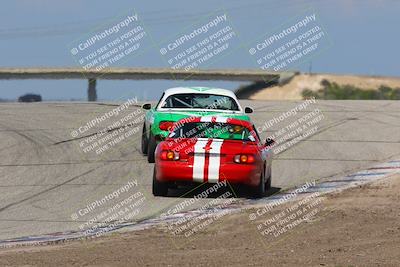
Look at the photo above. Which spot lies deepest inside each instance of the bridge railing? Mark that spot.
(139, 74)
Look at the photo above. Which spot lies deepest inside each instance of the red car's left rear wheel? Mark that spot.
(159, 188)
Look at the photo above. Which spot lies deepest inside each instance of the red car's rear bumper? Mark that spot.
(178, 171)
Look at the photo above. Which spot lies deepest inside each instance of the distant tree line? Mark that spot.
(331, 91)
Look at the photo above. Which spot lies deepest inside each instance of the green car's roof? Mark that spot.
(199, 90)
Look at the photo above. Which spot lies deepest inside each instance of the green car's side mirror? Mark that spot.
(146, 106)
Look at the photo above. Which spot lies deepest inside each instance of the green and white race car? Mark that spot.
(182, 102)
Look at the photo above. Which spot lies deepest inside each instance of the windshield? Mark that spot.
(201, 101)
(215, 130)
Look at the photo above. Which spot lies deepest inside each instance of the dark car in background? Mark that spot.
(30, 98)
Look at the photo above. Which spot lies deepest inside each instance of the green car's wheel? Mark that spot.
(145, 141)
(151, 148)
(159, 189)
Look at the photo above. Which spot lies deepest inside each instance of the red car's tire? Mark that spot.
(259, 190)
(269, 181)
(159, 189)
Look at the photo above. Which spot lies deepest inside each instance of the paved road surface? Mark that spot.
(45, 176)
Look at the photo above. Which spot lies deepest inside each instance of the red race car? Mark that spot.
(211, 150)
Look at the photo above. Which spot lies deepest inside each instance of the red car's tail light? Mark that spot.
(166, 125)
(169, 155)
(243, 158)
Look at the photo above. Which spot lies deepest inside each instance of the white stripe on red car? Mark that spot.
(207, 160)
(199, 160)
(214, 161)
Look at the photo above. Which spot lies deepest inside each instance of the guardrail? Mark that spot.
(139, 74)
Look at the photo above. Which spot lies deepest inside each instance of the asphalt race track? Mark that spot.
(45, 176)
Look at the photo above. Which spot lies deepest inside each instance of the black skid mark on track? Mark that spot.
(89, 135)
(335, 124)
(47, 190)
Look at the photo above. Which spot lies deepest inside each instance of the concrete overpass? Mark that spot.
(140, 74)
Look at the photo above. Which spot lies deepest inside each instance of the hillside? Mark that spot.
(292, 90)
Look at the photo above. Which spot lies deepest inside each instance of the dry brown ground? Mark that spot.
(293, 89)
(358, 227)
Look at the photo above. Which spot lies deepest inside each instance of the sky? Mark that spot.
(361, 37)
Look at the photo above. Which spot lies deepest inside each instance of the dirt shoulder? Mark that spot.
(357, 227)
